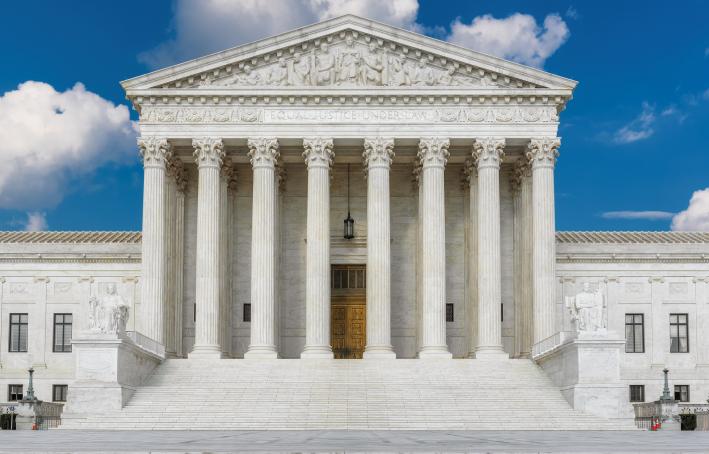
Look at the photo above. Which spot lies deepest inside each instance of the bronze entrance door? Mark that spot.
(348, 314)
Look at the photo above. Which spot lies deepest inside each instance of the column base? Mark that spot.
(319, 352)
(379, 352)
(261, 352)
(435, 353)
(206, 352)
(491, 353)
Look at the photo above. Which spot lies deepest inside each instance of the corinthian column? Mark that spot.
(488, 153)
(433, 153)
(209, 153)
(318, 157)
(471, 304)
(378, 154)
(542, 154)
(522, 193)
(155, 151)
(263, 153)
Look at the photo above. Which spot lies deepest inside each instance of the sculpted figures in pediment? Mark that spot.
(421, 74)
(301, 70)
(278, 75)
(348, 62)
(324, 66)
(373, 66)
(397, 71)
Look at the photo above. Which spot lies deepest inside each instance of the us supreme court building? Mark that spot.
(350, 225)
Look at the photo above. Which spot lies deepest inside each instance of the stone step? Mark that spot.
(346, 394)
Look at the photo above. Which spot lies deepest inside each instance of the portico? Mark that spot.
(261, 137)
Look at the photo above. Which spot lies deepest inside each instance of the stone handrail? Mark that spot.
(146, 343)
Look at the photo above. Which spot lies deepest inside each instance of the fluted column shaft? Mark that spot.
(542, 154)
(209, 153)
(488, 153)
(181, 186)
(263, 153)
(522, 190)
(378, 155)
(155, 152)
(433, 153)
(318, 156)
(471, 173)
(170, 226)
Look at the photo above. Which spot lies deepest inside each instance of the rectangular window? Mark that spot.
(62, 332)
(679, 337)
(247, 312)
(634, 333)
(637, 393)
(682, 393)
(450, 314)
(18, 333)
(59, 393)
(14, 393)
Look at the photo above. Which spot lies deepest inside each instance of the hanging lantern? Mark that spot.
(349, 222)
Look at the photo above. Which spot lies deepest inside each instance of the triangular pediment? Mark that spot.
(343, 53)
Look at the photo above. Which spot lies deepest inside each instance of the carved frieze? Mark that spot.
(457, 115)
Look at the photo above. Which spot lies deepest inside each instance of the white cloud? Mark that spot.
(206, 26)
(517, 37)
(36, 222)
(47, 137)
(639, 129)
(646, 215)
(696, 216)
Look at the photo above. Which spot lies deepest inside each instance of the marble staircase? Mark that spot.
(185, 394)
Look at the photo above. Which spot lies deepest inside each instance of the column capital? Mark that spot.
(468, 173)
(521, 170)
(263, 151)
(433, 151)
(318, 152)
(154, 151)
(543, 152)
(488, 152)
(378, 152)
(416, 173)
(281, 175)
(208, 151)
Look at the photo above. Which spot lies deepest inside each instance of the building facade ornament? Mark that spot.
(208, 151)
(318, 152)
(488, 152)
(154, 151)
(378, 152)
(433, 152)
(543, 152)
(263, 151)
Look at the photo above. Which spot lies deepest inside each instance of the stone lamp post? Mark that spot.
(30, 387)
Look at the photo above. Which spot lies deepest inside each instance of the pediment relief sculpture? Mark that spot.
(360, 61)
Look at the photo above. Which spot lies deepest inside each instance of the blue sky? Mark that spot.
(634, 138)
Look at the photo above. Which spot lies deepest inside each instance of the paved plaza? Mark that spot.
(354, 441)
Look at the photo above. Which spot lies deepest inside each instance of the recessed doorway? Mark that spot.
(348, 315)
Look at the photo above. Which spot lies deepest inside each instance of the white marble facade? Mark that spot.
(246, 154)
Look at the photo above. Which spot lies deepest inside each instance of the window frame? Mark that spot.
(64, 392)
(642, 393)
(246, 313)
(64, 348)
(450, 310)
(678, 389)
(19, 324)
(635, 324)
(679, 324)
(10, 393)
